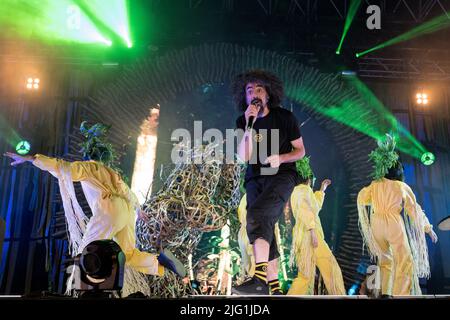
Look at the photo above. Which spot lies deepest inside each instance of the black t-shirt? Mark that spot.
(288, 130)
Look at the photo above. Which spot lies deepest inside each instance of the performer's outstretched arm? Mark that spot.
(320, 194)
(80, 170)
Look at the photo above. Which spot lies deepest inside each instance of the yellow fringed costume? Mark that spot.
(113, 207)
(306, 205)
(399, 245)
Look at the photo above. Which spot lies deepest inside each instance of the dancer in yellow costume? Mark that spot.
(398, 242)
(309, 248)
(113, 204)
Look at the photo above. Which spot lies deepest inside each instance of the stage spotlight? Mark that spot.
(33, 83)
(30, 83)
(23, 147)
(422, 98)
(427, 158)
(101, 266)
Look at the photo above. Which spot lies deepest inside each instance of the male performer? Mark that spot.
(271, 144)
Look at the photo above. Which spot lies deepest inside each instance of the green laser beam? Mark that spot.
(109, 17)
(355, 105)
(8, 134)
(354, 6)
(433, 25)
(49, 20)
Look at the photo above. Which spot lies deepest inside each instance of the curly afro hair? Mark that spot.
(271, 83)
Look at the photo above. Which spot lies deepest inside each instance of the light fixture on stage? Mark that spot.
(427, 158)
(422, 98)
(33, 83)
(348, 73)
(23, 147)
(101, 266)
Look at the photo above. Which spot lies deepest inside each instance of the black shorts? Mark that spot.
(266, 198)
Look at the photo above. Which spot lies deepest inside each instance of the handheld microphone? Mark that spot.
(251, 120)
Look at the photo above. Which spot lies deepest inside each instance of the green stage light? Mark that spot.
(109, 16)
(427, 158)
(23, 147)
(49, 20)
(8, 134)
(348, 22)
(433, 25)
(354, 104)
